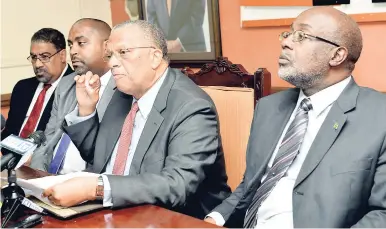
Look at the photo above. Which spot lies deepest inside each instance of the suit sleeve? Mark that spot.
(377, 200)
(195, 23)
(12, 113)
(192, 148)
(233, 208)
(43, 153)
(83, 135)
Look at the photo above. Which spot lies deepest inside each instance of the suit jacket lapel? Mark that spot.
(174, 6)
(115, 115)
(106, 97)
(329, 131)
(280, 118)
(153, 122)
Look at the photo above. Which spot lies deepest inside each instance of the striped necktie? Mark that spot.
(288, 150)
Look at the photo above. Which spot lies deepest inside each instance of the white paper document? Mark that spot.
(36, 187)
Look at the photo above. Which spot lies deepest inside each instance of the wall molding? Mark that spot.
(5, 100)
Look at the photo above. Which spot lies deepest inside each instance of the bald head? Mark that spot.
(338, 27)
(97, 25)
(86, 40)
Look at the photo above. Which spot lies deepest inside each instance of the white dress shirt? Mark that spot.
(73, 162)
(145, 104)
(49, 93)
(276, 211)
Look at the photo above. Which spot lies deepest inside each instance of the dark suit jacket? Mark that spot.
(178, 163)
(185, 21)
(342, 182)
(21, 98)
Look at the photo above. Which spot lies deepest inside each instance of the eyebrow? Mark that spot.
(77, 39)
(44, 53)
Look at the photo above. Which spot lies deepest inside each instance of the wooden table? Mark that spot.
(143, 216)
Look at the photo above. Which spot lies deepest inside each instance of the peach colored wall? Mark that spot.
(259, 47)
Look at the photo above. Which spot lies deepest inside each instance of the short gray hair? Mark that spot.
(152, 32)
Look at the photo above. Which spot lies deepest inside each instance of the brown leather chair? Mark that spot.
(234, 92)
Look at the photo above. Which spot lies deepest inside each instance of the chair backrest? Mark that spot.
(234, 92)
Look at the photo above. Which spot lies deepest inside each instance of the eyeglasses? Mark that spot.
(299, 35)
(42, 58)
(122, 54)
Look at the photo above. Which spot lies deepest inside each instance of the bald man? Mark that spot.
(86, 41)
(317, 153)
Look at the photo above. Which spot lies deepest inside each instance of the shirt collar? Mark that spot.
(145, 103)
(324, 98)
(54, 84)
(105, 78)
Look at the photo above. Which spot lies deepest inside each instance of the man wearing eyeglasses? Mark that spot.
(32, 98)
(316, 155)
(86, 41)
(158, 142)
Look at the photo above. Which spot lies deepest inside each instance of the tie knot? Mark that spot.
(134, 107)
(46, 86)
(306, 105)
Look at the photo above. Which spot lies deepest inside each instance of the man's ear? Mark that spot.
(156, 58)
(63, 56)
(338, 56)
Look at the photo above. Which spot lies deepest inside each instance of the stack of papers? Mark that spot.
(36, 187)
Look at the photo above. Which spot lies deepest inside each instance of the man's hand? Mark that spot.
(210, 220)
(87, 92)
(174, 46)
(73, 191)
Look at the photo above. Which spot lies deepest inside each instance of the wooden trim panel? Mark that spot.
(360, 18)
(276, 2)
(5, 100)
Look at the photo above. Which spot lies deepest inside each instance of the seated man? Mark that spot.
(31, 99)
(86, 41)
(317, 153)
(158, 142)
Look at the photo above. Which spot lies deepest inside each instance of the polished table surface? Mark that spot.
(142, 216)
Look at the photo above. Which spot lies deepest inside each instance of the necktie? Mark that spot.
(288, 150)
(33, 118)
(125, 141)
(58, 159)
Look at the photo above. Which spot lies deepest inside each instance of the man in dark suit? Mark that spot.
(158, 142)
(31, 99)
(181, 21)
(86, 41)
(316, 155)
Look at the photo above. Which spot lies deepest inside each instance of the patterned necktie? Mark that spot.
(288, 150)
(33, 118)
(125, 141)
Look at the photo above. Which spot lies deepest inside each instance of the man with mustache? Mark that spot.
(86, 41)
(159, 141)
(32, 98)
(316, 155)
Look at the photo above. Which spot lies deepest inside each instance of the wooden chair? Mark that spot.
(234, 92)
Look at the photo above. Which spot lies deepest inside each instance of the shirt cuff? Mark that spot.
(107, 198)
(217, 218)
(74, 118)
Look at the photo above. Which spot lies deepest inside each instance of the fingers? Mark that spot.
(47, 192)
(88, 80)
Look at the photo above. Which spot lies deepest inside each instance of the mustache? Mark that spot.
(283, 56)
(40, 70)
(77, 60)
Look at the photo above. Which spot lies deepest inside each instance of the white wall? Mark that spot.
(276, 12)
(20, 19)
